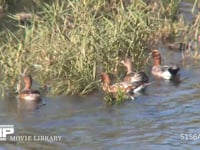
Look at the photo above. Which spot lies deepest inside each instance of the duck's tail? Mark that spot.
(140, 87)
(174, 69)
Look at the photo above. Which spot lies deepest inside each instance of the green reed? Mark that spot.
(69, 43)
(2, 5)
(117, 98)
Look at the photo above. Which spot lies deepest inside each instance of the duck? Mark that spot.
(27, 93)
(125, 87)
(163, 71)
(133, 77)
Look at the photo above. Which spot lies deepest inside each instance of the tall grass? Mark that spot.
(2, 3)
(70, 43)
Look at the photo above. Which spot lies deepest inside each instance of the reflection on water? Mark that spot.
(29, 105)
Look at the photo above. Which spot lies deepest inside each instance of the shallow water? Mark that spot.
(162, 118)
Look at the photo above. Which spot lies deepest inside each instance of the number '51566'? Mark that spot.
(190, 136)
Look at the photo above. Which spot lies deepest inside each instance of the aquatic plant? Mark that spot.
(116, 98)
(194, 5)
(70, 43)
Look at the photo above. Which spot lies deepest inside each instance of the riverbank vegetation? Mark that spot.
(67, 44)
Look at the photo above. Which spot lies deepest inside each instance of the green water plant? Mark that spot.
(116, 98)
(70, 43)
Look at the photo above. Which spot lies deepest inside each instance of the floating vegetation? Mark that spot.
(116, 98)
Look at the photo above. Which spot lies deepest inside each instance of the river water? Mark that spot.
(166, 117)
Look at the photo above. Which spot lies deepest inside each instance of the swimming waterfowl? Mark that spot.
(125, 87)
(133, 76)
(163, 71)
(27, 93)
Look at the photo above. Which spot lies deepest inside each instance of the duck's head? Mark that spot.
(156, 57)
(27, 81)
(105, 78)
(128, 64)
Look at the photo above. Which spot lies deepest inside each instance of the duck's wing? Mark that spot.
(139, 87)
(163, 68)
(124, 86)
(173, 69)
(142, 76)
(129, 77)
(137, 77)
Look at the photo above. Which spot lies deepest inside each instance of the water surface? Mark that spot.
(155, 120)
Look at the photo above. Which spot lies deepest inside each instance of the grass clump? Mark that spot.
(116, 98)
(3, 6)
(70, 43)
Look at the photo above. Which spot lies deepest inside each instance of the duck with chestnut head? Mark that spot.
(162, 71)
(131, 76)
(27, 93)
(125, 87)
